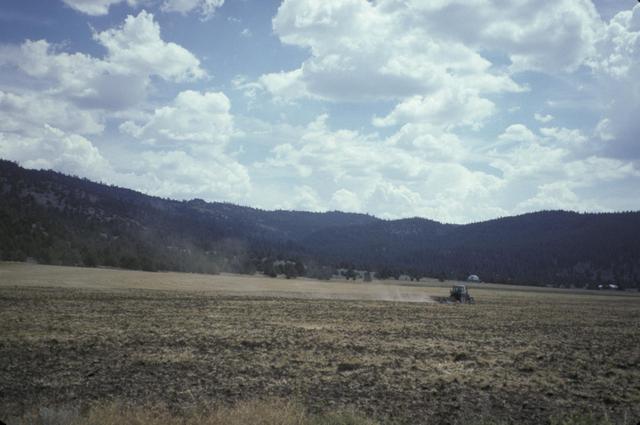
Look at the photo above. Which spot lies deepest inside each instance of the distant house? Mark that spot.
(473, 278)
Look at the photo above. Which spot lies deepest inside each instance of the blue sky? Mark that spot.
(453, 110)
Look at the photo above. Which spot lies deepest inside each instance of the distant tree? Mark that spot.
(269, 269)
(246, 266)
(300, 268)
(129, 262)
(290, 270)
(382, 273)
(367, 276)
(414, 275)
(319, 272)
(146, 264)
(89, 260)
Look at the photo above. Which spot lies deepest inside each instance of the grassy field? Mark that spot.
(71, 337)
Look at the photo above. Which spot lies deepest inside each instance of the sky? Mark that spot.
(457, 111)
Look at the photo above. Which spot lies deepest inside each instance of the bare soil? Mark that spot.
(69, 337)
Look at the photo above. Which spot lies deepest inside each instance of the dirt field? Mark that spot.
(117, 280)
(72, 336)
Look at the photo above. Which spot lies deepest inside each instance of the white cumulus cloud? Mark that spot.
(192, 117)
(543, 118)
(184, 152)
(206, 8)
(616, 67)
(448, 108)
(179, 174)
(362, 172)
(29, 112)
(135, 53)
(52, 148)
(95, 7)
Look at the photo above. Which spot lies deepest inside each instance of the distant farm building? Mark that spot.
(473, 278)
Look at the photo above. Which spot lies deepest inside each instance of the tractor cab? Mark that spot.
(460, 294)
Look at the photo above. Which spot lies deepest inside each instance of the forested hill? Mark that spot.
(52, 218)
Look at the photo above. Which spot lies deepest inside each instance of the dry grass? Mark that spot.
(518, 356)
(30, 275)
(257, 412)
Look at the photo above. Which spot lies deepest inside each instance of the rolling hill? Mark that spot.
(58, 219)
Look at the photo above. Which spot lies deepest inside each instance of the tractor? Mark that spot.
(460, 294)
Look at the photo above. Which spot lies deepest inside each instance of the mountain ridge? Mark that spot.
(60, 219)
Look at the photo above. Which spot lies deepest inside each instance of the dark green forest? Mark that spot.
(52, 218)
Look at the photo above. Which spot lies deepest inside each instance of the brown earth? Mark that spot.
(517, 356)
